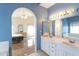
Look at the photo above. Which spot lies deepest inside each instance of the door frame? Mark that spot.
(34, 22)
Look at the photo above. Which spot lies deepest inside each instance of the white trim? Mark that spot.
(47, 5)
(35, 34)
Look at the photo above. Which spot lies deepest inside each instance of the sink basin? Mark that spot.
(71, 41)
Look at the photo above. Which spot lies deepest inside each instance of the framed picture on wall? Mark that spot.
(20, 28)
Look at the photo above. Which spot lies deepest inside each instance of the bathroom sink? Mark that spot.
(71, 41)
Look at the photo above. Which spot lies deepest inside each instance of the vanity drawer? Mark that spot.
(52, 45)
(52, 49)
(52, 53)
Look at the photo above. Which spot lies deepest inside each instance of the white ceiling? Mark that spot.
(47, 5)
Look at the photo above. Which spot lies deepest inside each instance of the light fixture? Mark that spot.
(61, 14)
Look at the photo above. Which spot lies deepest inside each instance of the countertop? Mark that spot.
(64, 41)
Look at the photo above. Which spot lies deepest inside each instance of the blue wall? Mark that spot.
(6, 11)
(61, 6)
(45, 25)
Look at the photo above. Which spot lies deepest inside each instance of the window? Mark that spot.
(74, 27)
(31, 35)
(31, 30)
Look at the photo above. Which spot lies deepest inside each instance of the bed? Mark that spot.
(17, 38)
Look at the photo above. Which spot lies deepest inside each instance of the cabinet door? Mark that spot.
(52, 49)
(42, 44)
(59, 50)
(47, 46)
(70, 51)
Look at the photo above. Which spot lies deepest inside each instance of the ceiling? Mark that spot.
(47, 5)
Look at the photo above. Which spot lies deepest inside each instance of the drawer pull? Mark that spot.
(52, 47)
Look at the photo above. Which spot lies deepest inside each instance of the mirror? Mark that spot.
(47, 27)
(53, 28)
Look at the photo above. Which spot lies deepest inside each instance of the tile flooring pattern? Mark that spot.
(38, 53)
(21, 49)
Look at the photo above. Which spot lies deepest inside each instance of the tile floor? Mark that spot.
(38, 53)
(21, 49)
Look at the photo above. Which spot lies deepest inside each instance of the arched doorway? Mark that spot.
(23, 39)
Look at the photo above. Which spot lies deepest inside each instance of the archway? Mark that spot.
(23, 19)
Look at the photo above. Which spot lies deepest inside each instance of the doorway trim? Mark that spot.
(35, 19)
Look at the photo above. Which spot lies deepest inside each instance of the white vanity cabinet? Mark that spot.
(70, 50)
(47, 49)
(45, 46)
(58, 48)
(66, 50)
